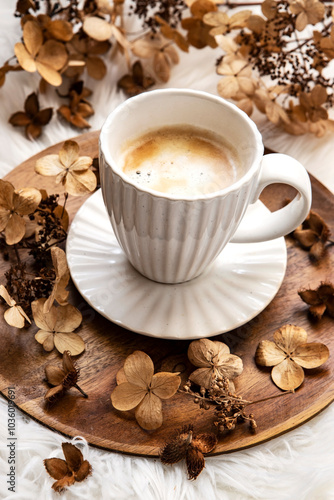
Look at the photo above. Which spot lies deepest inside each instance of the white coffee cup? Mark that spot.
(170, 239)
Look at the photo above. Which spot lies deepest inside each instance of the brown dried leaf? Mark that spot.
(320, 299)
(56, 467)
(74, 468)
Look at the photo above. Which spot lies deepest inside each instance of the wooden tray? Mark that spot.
(22, 359)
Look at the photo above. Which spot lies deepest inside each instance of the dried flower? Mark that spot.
(162, 52)
(79, 108)
(237, 78)
(32, 118)
(214, 361)
(67, 472)
(313, 235)
(144, 390)
(189, 446)
(14, 204)
(136, 82)
(307, 11)
(87, 51)
(56, 327)
(222, 23)
(199, 35)
(289, 354)
(71, 170)
(59, 292)
(15, 315)
(34, 55)
(62, 378)
(320, 300)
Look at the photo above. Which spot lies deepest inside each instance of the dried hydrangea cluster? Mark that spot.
(217, 369)
(33, 224)
(275, 61)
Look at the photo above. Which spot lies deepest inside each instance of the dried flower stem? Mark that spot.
(82, 392)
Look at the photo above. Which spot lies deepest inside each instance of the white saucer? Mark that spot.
(240, 283)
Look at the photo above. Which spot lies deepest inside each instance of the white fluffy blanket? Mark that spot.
(296, 466)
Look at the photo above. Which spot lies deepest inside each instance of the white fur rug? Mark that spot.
(296, 466)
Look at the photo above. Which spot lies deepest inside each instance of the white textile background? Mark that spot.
(298, 465)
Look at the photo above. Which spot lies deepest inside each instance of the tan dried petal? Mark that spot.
(49, 165)
(54, 392)
(49, 74)
(288, 337)
(82, 163)
(149, 412)
(164, 384)
(201, 352)
(139, 369)
(306, 237)
(46, 339)
(15, 229)
(287, 375)
(69, 153)
(33, 37)
(161, 66)
(121, 377)
(13, 316)
(68, 319)
(230, 366)
(311, 355)
(52, 54)
(71, 342)
(5, 295)
(26, 200)
(61, 30)
(202, 377)
(80, 182)
(97, 28)
(24, 58)
(127, 396)
(96, 67)
(269, 354)
(43, 321)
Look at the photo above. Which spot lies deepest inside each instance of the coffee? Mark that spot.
(181, 161)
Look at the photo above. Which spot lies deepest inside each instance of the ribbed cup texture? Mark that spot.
(170, 241)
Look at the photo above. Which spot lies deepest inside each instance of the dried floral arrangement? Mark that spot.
(275, 61)
(33, 227)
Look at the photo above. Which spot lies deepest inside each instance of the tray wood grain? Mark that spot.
(22, 359)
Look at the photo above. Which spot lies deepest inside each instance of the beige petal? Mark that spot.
(14, 317)
(230, 367)
(288, 337)
(301, 21)
(4, 218)
(121, 377)
(161, 66)
(26, 200)
(143, 48)
(139, 369)
(24, 58)
(59, 261)
(203, 377)
(62, 30)
(43, 321)
(79, 183)
(82, 163)
(127, 396)
(52, 54)
(33, 37)
(49, 74)
(45, 338)
(71, 342)
(15, 229)
(311, 355)
(69, 153)
(96, 67)
(222, 351)
(269, 354)
(50, 394)
(5, 295)
(68, 319)
(201, 352)
(54, 374)
(164, 384)
(287, 375)
(97, 28)
(228, 87)
(149, 412)
(61, 294)
(49, 165)
(21, 311)
(6, 194)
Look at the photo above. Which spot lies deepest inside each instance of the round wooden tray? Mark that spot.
(22, 359)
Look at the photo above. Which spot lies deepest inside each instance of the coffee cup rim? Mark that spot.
(244, 179)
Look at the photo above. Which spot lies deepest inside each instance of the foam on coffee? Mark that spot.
(181, 161)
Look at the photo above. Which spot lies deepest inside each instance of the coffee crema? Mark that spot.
(181, 161)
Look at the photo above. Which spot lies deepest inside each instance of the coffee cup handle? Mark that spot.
(283, 169)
